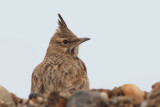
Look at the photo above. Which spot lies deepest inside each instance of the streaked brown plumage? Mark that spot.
(61, 70)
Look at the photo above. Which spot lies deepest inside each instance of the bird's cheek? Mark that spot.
(64, 49)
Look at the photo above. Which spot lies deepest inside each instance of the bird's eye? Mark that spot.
(65, 41)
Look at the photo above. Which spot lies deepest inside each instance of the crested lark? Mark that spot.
(61, 70)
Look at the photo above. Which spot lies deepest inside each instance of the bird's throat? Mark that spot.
(62, 51)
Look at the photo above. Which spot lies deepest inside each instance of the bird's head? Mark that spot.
(64, 41)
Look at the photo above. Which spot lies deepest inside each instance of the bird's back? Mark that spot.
(60, 73)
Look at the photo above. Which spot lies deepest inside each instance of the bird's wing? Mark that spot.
(75, 78)
(45, 76)
(37, 83)
(82, 82)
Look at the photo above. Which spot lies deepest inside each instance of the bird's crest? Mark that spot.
(63, 30)
(61, 22)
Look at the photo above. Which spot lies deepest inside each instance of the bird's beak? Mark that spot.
(81, 40)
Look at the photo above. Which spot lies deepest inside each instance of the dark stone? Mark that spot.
(86, 99)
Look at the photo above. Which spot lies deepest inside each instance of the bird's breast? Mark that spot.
(62, 69)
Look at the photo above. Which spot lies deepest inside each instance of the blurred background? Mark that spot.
(124, 45)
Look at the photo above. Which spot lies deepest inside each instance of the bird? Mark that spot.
(61, 70)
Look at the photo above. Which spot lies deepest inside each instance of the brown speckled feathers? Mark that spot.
(61, 70)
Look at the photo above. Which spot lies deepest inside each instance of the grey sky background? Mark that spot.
(124, 45)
